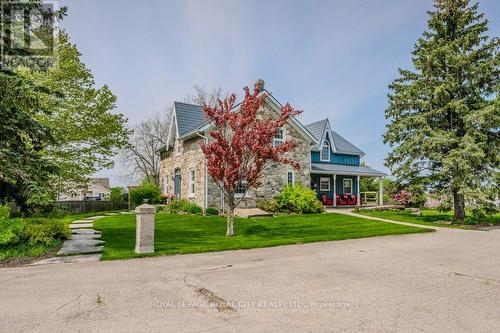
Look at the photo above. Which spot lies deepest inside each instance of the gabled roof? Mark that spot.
(317, 129)
(103, 182)
(345, 147)
(342, 146)
(189, 117)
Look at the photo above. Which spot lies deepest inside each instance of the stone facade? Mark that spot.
(186, 159)
(274, 177)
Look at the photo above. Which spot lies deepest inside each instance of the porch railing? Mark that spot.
(369, 198)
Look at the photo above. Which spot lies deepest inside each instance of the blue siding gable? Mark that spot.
(335, 158)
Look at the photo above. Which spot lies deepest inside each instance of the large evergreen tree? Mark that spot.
(444, 114)
(24, 169)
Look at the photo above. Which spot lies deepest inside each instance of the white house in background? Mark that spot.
(98, 187)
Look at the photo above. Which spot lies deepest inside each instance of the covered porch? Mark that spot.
(338, 185)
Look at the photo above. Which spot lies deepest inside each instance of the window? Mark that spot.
(290, 177)
(191, 183)
(279, 137)
(324, 184)
(325, 152)
(241, 189)
(347, 186)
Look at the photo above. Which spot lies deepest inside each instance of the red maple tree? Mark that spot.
(241, 145)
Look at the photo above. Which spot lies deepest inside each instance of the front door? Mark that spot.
(177, 183)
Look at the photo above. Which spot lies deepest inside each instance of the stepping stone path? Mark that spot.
(84, 246)
(84, 239)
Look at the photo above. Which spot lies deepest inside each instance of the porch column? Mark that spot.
(381, 191)
(334, 190)
(358, 199)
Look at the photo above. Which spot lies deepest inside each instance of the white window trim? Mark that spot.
(321, 179)
(191, 183)
(327, 146)
(343, 186)
(240, 195)
(275, 140)
(286, 177)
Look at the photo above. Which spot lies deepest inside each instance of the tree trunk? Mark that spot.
(458, 206)
(230, 218)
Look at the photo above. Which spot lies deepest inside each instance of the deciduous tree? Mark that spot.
(140, 155)
(240, 145)
(87, 131)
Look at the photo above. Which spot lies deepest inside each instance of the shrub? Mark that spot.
(32, 231)
(404, 197)
(44, 231)
(4, 211)
(174, 206)
(116, 194)
(299, 199)
(269, 205)
(184, 206)
(212, 211)
(148, 191)
(10, 231)
(192, 208)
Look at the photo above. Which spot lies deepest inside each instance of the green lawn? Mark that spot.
(429, 217)
(176, 234)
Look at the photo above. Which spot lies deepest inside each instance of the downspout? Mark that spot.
(205, 199)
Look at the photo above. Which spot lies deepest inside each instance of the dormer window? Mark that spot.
(325, 152)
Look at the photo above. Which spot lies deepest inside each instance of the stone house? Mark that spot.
(328, 162)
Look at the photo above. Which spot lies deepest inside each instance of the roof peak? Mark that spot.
(186, 103)
(326, 120)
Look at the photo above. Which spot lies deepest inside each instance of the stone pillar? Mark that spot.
(145, 229)
(381, 191)
(358, 198)
(334, 190)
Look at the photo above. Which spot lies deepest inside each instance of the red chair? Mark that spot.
(341, 199)
(351, 199)
(326, 201)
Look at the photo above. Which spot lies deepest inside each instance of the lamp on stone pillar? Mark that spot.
(358, 198)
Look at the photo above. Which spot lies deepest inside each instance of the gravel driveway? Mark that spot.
(446, 281)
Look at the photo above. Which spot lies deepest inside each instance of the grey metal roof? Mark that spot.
(345, 169)
(317, 128)
(189, 117)
(342, 146)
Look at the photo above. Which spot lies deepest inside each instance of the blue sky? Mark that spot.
(329, 58)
